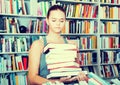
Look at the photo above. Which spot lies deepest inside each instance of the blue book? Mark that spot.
(92, 75)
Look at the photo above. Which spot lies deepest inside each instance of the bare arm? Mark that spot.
(34, 62)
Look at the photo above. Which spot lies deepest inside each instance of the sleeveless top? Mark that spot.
(43, 71)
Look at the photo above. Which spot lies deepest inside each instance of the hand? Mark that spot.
(68, 79)
(82, 76)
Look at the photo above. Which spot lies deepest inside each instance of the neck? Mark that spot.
(54, 35)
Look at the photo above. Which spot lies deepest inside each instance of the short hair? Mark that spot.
(55, 7)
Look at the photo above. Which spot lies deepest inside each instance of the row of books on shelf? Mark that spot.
(110, 1)
(14, 79)
(88, 58)
(106, 57)
(80, 10)
(114, 42)
(23, 7)
(81, 0)
(110, 71)
(110, 57)
(13, 7)
(16, 43)
(110, 12)
(13, 63)
(109, 27)
(80, 26)
(87, 42)
(16, 25)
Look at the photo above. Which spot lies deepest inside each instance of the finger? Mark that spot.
(74, 78)
(81, 77)
(63, 79)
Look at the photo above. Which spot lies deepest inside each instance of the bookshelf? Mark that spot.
(93, 23)
(109, 21)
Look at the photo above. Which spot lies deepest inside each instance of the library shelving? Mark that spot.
(93, 23)
(109, 39)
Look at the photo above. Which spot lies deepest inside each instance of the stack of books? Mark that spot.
(61, 60)
(93, 79)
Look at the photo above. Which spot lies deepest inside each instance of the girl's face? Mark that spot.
(56, 21)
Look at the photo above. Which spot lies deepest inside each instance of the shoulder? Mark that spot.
(37, 45)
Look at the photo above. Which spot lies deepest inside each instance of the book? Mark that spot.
(58, 75)
(64, 69)
(92, 75)
(61, 60)
(83, 82)
(115, 81)
(93, 81)
(59, 46)
(65, 64)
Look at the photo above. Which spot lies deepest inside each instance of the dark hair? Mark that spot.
(55, 7)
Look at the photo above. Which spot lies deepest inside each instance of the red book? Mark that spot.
(25, 62)
(95, 12)
(65, 64)
(20, 65)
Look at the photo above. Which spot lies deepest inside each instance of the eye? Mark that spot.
(53, 20)
(62, 21)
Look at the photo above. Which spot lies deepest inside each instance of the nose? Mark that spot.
(58, 23)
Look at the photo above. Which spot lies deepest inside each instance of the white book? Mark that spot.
(59, 46)
(62, 74)
(83, 83)
(65, 70)
(93, 82)
(59, 60)
(65, 64)
(115, 81)
(61, 52)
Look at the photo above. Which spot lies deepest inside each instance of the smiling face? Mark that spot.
(56, 21)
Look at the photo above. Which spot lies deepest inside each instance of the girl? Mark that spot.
(37, 69)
